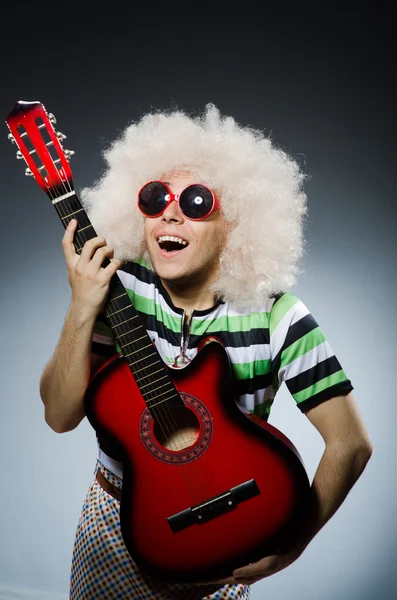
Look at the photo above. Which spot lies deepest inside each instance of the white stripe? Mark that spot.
(307, 361)
(147, 290)
(114, 466)
(249, 354)
(103, 339)
(230, 311)
(293, 315)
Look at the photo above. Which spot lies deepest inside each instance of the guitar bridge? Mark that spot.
(214, 507)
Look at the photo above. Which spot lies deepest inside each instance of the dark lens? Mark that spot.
(153, 198)
(196, 201)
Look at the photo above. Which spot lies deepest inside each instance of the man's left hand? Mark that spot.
(263, 568)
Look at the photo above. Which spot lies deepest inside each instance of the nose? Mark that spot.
(172, 212)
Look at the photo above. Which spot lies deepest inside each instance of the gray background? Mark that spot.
(323, 85)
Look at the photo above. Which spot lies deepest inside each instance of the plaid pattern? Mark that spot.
(103, 568)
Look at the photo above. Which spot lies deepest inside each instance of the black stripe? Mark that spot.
(299, 329)
(141, 273)
(339, 389)
(323, 369)
(235, 339)
(250, 386)
(295, 332)
(103, 349)
(151, 323)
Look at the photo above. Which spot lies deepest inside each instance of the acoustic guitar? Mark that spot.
(206, 488)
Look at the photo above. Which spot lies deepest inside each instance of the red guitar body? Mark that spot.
(163, 531)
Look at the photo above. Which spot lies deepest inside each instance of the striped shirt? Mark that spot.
(268, 345)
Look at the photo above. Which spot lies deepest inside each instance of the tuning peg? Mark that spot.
(28, 172)
(52, 118)
(69, 154)
(19, 155)
(61, 136)
(11, 138)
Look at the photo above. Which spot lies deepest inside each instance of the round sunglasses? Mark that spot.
(196, 201)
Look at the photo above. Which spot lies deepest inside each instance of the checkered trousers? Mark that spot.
(103, 568)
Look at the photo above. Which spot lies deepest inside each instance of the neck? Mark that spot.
(190, 297)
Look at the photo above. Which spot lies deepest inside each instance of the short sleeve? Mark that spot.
(103, 341)
(302, 357)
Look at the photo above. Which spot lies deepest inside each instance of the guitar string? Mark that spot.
(162, 422)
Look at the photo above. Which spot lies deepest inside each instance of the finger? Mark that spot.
(256, 569)
(100, 255)
(67, 240)
(111, 268)
(90, 247)
(225, 581)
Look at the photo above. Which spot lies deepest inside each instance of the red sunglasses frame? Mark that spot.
(172, 197)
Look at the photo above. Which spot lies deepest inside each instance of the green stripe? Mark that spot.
(143, 263)
(280, 308)
(231, 324)
(150, 307)
(321, 385)
(251, 369)
(307, 342)
(261, 409)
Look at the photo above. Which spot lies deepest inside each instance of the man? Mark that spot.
(205, 218)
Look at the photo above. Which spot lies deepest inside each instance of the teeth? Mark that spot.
(171, 238)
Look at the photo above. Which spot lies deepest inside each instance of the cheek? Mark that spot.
(147, 228)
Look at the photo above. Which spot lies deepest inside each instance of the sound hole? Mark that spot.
(178, 429)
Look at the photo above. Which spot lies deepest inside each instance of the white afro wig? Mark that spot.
(260, 189)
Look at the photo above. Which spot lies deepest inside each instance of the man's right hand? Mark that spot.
(88, 279)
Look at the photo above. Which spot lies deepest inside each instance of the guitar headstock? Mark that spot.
(31, 129)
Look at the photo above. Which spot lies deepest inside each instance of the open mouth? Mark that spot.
(170, 243)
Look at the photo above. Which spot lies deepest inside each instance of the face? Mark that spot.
(192, 258)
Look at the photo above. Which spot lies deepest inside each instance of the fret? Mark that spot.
(117, 297)
(151, 405)
(141, 359)
(166, 376)
(84, 228)
(139, 349)
(158, 395)
(119, 304)
(128, 332)
(145, 376)
(142, 368)
(118, 311)
(126, 321)
(133, 341)
(72, 213)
